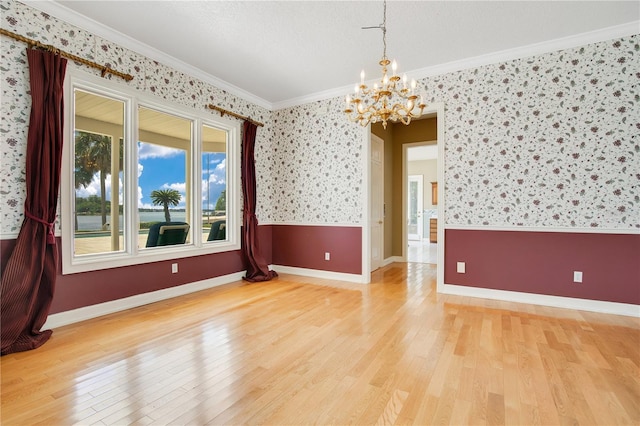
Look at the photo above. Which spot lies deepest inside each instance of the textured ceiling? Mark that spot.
(278, 52)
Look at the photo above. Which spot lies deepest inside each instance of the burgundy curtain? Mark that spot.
(28, 279)
(257, 268)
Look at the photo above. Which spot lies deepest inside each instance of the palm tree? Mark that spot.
(93, 155)
(221, 204)
(165, 197)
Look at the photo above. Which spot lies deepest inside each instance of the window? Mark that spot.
(98, 150)
(214, 184)
(143, 179)
(164, 153)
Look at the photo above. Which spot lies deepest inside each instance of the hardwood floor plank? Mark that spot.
(495, 409)
(392, 408)
(300, 350)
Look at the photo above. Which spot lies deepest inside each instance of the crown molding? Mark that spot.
(70, 16)
(597, 36)
(577, 40)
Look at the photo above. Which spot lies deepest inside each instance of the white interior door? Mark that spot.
(414, 208)
(377, 202)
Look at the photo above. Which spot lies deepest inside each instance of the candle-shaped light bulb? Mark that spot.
(362, 77)
(375, 86)
(385, 80)
(414, 83)
(394, 66)
(356, 88)
(404, 80)
(348, 99)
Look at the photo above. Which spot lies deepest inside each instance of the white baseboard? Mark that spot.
(600, 306)
(392, 259)
(317, 273)
(94, 311)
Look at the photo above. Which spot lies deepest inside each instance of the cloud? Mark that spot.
(217, 176)
(217, 180)
(94, 188)
(141, 205)
(180, 187)
(149, 150)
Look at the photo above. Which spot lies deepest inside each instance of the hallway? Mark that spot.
(422, 252)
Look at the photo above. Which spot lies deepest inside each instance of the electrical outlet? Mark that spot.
(577, 276)
(461, 267)
(174, 268)
(327, 256)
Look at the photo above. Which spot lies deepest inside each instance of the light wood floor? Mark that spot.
(310, 351)
(422, 251)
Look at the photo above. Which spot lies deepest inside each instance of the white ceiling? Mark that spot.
(279, 53)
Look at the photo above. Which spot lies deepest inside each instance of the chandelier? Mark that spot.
(391, 99)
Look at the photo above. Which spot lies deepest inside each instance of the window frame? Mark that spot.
(131, 254)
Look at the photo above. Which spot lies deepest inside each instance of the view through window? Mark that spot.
(168, 183)
(98, 168)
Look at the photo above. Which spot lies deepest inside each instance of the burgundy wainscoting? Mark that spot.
(304, 246)
(90, 288)
(544, 262)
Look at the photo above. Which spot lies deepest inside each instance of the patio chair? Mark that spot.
(167, 233)
(218, 231)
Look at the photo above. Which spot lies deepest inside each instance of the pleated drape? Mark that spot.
(28, 280)
(257, 267)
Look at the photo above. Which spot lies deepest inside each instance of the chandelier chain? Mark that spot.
(384, 30)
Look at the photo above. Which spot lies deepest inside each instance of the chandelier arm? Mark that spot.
(407, 111)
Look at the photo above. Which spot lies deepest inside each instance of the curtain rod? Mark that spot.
(233, 114)
(50, 48)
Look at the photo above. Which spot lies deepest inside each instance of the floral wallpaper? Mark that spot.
(318, 166)
(546, 141)
(149, 76)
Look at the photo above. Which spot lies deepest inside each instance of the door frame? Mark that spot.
(405, 189)
(434, 108)
(381, 190)
(420, 206)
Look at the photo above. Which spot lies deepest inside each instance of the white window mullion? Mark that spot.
(196, 180)
(234, 142)
(132, 222)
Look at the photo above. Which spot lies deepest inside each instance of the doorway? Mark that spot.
(395, 241)
(421, 174)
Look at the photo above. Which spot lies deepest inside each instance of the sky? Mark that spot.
(160, 167)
